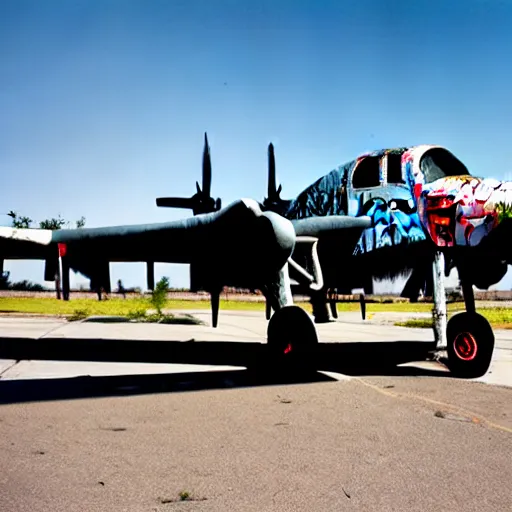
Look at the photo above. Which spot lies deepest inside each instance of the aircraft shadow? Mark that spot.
(355, 359)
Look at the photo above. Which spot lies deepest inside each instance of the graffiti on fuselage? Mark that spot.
(462, 210)
(325, 197)
(395, 221)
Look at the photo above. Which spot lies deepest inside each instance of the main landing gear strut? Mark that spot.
(469, 339)
(291, 333)
(291, 337)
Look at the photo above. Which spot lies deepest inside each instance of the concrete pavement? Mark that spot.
(367, 444)
(134, 436)
(240, 326)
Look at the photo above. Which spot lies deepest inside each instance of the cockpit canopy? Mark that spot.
(439, 163)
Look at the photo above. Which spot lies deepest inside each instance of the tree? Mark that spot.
(20, 222)
(4, 280)
(53, 224)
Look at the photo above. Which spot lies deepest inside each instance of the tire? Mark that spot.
(470, 345)
(291, 337)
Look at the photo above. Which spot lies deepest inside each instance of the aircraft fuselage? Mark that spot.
(419, 198)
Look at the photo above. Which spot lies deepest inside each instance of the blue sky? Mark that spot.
(104, 103)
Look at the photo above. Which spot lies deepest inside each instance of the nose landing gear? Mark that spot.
(469, 339)
(470, 344)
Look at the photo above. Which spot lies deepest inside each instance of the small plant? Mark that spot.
(137, 314)
(184, 496)
(420, 323)
(159, 295)
(181, 320)
(79, 314)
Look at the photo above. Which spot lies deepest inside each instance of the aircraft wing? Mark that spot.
(24, 244)
(239, 243)
(239, 236)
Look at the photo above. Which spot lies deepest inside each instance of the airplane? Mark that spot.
(387, 213)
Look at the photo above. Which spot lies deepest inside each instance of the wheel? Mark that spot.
(291, 337)
(470, 344)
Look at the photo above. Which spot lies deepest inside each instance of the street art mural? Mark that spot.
(410, 194)
(376, 184)
(463, 210)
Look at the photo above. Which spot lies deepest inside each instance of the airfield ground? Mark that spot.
(207, 434)
(388, 309)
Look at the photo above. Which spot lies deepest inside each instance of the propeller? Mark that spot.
(273, 201)
(201, 202)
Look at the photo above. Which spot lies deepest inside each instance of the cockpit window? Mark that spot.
(367, 173)
(395, 168)
(438, 163)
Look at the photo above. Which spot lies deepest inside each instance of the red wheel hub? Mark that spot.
(465, 346)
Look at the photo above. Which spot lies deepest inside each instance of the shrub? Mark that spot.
(27, 286)
(159, 295)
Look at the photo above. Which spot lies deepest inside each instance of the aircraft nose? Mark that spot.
(482, 211)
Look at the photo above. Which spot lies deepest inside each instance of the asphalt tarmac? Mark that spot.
(216, 430)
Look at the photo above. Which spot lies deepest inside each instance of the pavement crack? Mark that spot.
(5, 370)
(50, 331)
(475, 417)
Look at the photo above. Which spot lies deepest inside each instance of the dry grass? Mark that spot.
(78, 308)
(499, 318)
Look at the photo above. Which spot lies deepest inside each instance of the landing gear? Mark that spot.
(470, 344)
(468, 338)
(291, 337)
(332, 295)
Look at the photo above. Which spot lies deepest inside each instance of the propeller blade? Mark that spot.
(207, 168)
(271, 191)
(174, 202)
(215, 299)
